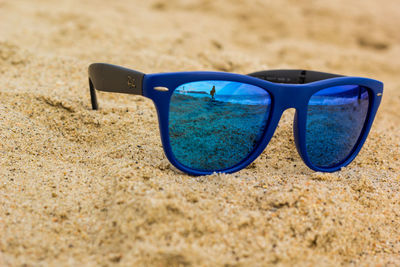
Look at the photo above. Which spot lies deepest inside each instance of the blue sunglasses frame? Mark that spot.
(287, 88)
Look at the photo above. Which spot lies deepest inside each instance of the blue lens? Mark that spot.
(335, 120)
(214, 125)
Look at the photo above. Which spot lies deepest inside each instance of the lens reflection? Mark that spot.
(214, 125)
(335, 119)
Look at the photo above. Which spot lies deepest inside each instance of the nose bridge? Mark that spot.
(291, 96)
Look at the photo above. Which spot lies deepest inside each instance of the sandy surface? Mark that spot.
(83, 187)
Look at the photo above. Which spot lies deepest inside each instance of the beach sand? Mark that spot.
(81, 187)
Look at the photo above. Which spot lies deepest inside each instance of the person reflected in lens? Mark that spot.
(212, 92)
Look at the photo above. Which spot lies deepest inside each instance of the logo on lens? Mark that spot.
(131, 82)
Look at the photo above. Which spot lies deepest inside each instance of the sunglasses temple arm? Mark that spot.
(114, 79)
(93, 97)
(293, 76)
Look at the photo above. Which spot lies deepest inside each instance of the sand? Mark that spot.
(84, 188)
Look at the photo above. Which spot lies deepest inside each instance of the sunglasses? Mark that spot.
(221, 122)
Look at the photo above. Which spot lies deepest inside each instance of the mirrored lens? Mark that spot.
(335, 120)
(214, 125)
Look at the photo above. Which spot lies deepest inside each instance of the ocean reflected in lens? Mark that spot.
(335, 120)
(214, 125)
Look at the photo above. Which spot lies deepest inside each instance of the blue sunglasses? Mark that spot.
(221, 122)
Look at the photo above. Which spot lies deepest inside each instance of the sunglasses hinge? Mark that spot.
(302, 77)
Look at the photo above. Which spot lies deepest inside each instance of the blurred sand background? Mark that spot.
(82, 187)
